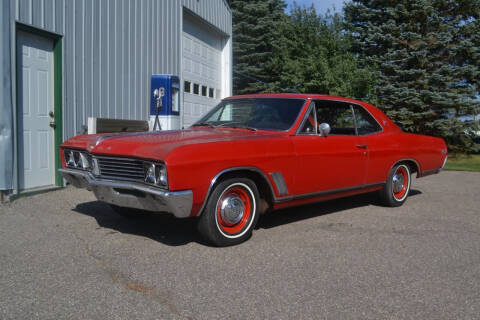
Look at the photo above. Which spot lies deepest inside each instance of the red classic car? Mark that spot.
(251, 154)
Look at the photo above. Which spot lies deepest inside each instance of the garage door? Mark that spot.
(202, 69)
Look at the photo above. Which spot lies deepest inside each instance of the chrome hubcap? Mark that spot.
(398, 182)
(232, 209)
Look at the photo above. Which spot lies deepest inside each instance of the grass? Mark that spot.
(463, 162)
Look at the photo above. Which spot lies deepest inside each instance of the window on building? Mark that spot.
(211, 92)
(204, 91)
(196, 88)
(187, 86)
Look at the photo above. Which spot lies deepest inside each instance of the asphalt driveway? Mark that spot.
(64, 255)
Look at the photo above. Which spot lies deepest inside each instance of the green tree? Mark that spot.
(426, 55)
(297, 52)
(256, 38)
(316, 56)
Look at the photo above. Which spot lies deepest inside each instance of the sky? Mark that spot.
(320, 5)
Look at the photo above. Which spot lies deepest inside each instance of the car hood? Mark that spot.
(157, 145)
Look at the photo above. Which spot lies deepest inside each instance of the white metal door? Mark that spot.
(35, 102)
(202, 72)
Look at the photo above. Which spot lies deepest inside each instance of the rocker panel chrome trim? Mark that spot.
(328, 192)
(430, 172)
(283, 199)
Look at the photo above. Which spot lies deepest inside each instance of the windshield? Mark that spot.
(257, 113)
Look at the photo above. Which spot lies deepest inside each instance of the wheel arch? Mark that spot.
(264, 186)
(411, 163)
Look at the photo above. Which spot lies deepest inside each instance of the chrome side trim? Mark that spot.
(444, 162)
(283, 199)
(328, 192)
(131, 194)
(430, 172)
(280, 183)
(212, 182)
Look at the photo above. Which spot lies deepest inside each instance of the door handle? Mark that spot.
(362, 146)
(53, 124)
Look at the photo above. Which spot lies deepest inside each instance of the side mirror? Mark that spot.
(324, 129)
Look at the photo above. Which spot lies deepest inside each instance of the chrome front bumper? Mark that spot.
(132, 194)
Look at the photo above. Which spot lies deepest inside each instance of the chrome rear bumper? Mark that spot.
(132, 194)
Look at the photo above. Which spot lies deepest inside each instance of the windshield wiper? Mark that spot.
(203, 124)
(236, 125)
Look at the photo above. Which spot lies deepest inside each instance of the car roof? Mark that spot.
(295, 96)
(382, 119)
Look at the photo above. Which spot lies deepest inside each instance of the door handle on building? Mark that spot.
(53, 124)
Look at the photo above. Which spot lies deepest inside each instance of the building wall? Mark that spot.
(6, 116)
(111, 47)
(215, 12)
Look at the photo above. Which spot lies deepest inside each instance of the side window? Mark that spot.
(309, 126)
(366, 124)
(338, 115)
(226, 114)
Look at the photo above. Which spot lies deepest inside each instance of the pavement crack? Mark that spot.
(129, 284)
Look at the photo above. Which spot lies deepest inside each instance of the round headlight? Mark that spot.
(150, 173)
(69, 159)
(84, 161)
(162, 175)
(76, 159)
(95, 167)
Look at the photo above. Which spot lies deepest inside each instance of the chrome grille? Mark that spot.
(121, 168)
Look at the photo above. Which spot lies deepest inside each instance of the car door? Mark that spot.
(379, 149)
(329, 163)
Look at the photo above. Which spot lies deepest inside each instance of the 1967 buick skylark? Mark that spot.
(251, 154)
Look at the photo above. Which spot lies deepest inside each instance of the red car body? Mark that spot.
(313, 168)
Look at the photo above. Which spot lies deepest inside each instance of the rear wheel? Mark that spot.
(231, 212)
(395, 191)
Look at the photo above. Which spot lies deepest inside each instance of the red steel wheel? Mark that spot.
(231, 212)
(397, 186)
(234, 210)
(401, 183)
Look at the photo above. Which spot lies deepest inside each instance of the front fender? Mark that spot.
(196, 167)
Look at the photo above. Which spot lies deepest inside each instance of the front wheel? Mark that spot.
(231, 212)
(395, 191)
